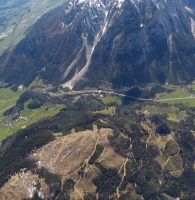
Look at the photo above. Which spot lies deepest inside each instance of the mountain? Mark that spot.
(107, 42)
(129, 143)
(191, 3)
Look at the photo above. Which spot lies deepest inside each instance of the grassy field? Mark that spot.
(26, 112)
(8, 99)
(17, 17)
(176, 116)
(108, 111)
(176, 94)
(7, 94)
(179, 93)
(37, 83)
(173, 112)
(112, 99)
(191, 87)
(29, 117)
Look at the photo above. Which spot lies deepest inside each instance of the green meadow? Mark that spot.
(112, 99)
(179, 93)
(8, 99)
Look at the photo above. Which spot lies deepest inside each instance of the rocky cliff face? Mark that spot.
(120, 42)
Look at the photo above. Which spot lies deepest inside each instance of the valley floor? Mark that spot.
(97, 144)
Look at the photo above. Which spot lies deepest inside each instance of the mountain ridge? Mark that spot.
(117, 43)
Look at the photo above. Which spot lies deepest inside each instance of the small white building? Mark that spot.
(20, 88)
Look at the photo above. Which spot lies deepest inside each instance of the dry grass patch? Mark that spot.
(175, 165)
(104, 133)
(111, 159)
(67, 153)
(86, 185)
(161, 141)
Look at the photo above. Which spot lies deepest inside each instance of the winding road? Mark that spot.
(118, 94)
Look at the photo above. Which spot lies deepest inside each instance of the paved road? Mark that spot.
(118, 94)
(2, 111)
(8, 100)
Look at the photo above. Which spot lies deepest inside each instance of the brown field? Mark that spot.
(66, 156)
(112, 159)
(175, 165)
(67, 153)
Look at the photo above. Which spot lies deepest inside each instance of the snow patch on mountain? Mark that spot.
(190, 10)
(193, 27)
(102, 9)
(98, 3)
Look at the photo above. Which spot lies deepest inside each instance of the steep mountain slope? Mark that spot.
(93, 42)
(16, 16)
(191, 3)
